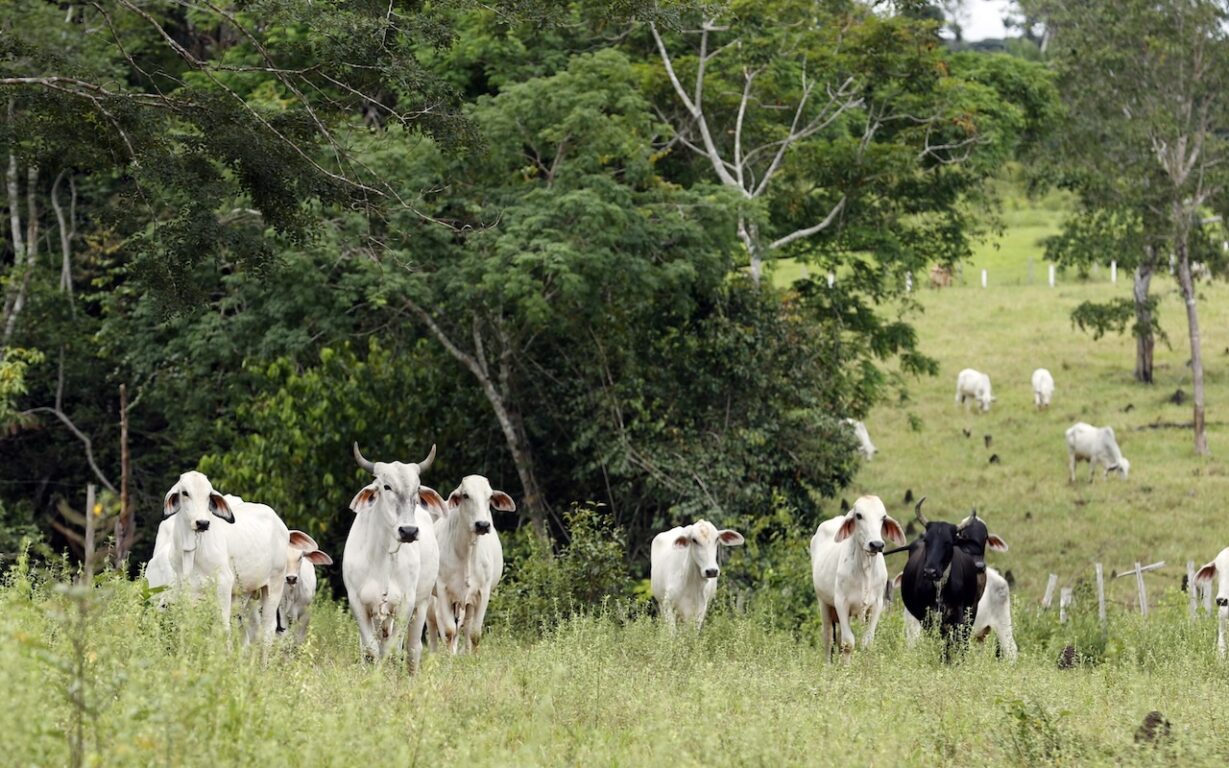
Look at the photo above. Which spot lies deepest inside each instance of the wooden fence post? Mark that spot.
(1064, 602)
(1100, 593)
(1049, 595)
(1143, 592)
(1113, 272)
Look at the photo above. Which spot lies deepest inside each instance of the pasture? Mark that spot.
(613, 688)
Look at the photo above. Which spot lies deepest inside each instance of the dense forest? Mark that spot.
(537, 236)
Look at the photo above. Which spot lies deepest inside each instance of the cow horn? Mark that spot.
(964, 523)
(917, 510)
(364, 463)
(425, 464)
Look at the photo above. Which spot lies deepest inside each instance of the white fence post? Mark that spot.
(831, 279)
(983, 278)
(1100, 593)
(1064, 602)
(1139, 585)
(908, 282)
(1051, 275)
(1113, 272)
(1049, 595)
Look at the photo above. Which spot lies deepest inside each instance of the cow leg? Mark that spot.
(1071, 465)
(300, 627)
(847, 639)
(270, 599)
(413, 640)
(668, 616)
(828, 617)
(475, 616)
(224, 587)
(447, 616)
(1222, 628)
(872, 621)
(433, 623)
(913, 629)
(366, 629)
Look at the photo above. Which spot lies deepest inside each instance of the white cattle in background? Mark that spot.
(848, 571)
(1043, 388)
(302, 557)
(683, 569)
(244, 558)
(865, 446)
(391, 558)
(993, 615)
(971, 384)
(1096, 445)
(1218, 569)
(471, 560)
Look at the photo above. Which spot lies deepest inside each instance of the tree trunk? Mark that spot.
(1144, 340)
(1192, 319)
(749, 233)
(124, 528)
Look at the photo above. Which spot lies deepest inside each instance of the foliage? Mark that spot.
(14, 364)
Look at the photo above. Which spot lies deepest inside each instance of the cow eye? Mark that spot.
(464, 495)
(857, 515)
(387, 487)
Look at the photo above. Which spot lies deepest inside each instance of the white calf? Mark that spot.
(301, 560)
(993, 615)
(1043, 388)
(471, 560)
(848, 571)
(1218, 569)
(391, 558)
(865, 446)
(976, 385)
(1096, 445)
(683, 569)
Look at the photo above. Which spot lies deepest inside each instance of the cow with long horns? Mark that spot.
(945, 576)
(391, 557)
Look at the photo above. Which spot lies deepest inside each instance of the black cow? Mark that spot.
(946, 573)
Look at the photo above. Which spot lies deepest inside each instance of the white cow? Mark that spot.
(1043, 388)
(300, 590)
(848, 571)
(683, 569)
(158, 571)
(976, 385)
(1218, 569)
(391, 558)
(1096, 445)
(471, 560)
(246, 558)
(865, 446)
(993, 614)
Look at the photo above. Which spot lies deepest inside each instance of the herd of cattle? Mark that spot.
(415, 563)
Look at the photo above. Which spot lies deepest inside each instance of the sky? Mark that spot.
(984, 18)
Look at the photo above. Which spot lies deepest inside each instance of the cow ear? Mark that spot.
(1206, 574)
(318, 558)
(219, 507)
(171, 505)
(896, 581)
(730, 538)
(847, 528)
(363, 499)
(502, 501)
(893, 532)
(996, 543)
(682, 542)
(300, 540)
(454, 498)
(433, 501)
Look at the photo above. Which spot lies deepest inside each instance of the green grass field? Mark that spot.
(616, 690)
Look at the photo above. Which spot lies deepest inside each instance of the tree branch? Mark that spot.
(801, 233)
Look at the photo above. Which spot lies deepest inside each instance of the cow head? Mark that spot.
(973, 538)
(867, 522)
(472, 502)
(1123, 467)
(1218, 569)
(195, 503)
(395, 495)
(701, 539)
(302, 548)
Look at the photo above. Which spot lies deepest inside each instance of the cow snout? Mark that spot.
(980, 565)
(711, 573)
(874, 547)
(482, 526)
(202, 525)
(931, 573)
(292, 580)
(407, 533)
(1222, 601)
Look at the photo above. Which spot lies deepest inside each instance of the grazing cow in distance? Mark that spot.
(848, 572)
(975, 385)
(391, 558)
(300, 590)
(1218, 569)
(471, 560)
(1043, 388)
(683, 569)
(944, 577)
(865, 446)
(1096, 445)
(940, 276)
